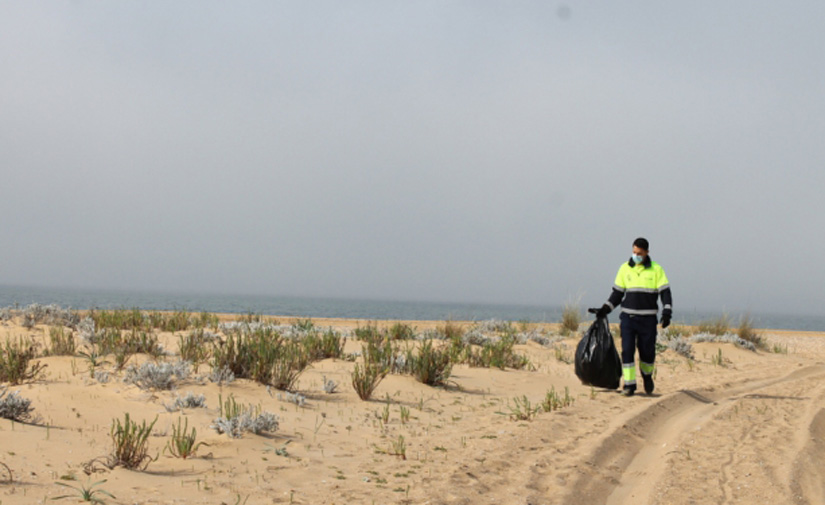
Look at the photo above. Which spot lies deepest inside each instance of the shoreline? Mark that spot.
(431, 324)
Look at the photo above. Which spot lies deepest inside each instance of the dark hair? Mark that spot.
(641, 243)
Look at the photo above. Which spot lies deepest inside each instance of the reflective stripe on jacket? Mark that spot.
(638, 287)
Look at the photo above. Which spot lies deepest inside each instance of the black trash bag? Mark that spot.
(597, 361)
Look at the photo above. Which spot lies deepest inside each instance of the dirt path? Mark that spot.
(759, 439)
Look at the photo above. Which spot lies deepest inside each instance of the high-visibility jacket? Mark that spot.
(638, 288)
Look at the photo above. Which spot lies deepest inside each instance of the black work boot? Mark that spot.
(648, 383)
(629, 391)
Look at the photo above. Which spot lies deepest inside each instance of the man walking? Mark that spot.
(639, 284)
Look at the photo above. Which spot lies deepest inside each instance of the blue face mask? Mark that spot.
(638, 259)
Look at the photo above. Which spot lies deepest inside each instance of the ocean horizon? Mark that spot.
(298, 306)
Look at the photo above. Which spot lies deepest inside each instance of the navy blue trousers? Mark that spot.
(638, 332)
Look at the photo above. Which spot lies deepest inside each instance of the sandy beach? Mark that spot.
(728, 426)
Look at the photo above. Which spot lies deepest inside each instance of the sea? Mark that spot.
(294, 306)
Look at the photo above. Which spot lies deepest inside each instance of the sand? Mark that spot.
(751, 430)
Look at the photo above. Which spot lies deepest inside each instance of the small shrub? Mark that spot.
(290, 363)
(131, 443)
(206, 320)
(561, 354)
(401, 331)
(681, 347)
(521, 409)
(675, 331)
(498, 354)
(304, 325)
(495, 326)
(235, 419)
(296, 398)
(221, 376)
(182, 444)
(717, 326)
(62, 342)
(719, 360)
(15, 407)
(368, 333)
(555, 401)
(86, 493)
(102, 376)
(748, 334)
(328, 344)
(365, 379)
(93, 358)
(177, 321)
(431, 366)
(46, 314)
(570, 318)
(194, 347)
(450, 331)
(329, 386)
(190, 401)
(16, 365)
(159, 376)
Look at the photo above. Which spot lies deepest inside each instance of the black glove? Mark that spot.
(601, 312)
(665, 321)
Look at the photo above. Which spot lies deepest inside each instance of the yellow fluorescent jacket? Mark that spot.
(638, 288)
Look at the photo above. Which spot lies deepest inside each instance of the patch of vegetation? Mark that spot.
(555, 401)
(570, 317)
(62, 342)
(401, 331)
(747, 333)
(157, 376)
(131, 444)
(16, 362)
(235, 419)
(196, 346)
(182, 444)
(430, 365)
(521, 409)
(86, 493)
(14, 407)
(190, 401)
(717, 326)
(263, 355)
(498, 354)
(329, 344)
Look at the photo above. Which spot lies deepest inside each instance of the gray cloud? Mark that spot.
(445, 151)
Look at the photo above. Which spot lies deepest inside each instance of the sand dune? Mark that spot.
(747, 430)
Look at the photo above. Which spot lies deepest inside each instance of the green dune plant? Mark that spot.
(17, 363)
(401, 331)
(555, 401)
(62, 342)
(498, 354)
(430, 365)
(195, 347)
(263, 355)
(131, 444)
(86, 493)
(521, 409)
(570, 317)
(329, 344)
(182, 444)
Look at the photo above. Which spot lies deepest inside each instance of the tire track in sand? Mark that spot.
(631, 459)
(807, 483)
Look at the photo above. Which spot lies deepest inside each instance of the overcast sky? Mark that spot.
(472, 151)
